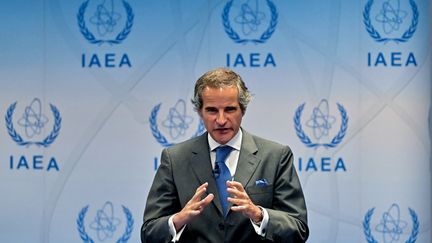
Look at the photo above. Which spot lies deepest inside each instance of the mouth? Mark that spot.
(222, 130)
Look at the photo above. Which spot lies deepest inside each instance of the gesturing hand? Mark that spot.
(242, 203)
(193, 207)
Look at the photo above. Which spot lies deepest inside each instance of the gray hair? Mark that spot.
(220, 78)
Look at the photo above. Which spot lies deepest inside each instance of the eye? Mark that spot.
(231, 109)
(211, 110)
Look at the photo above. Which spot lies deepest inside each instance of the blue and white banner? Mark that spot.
(91, 91)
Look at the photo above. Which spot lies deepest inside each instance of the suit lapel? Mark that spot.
(201, 166)
(248, 160)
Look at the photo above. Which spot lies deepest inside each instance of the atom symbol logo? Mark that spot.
(320, 121)
(249, 18)
(105, 224)
(177, 120)
(105, 18)
(391, 16)
(391, 226)
(33, 120)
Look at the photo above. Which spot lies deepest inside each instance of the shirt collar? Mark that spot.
(235, 142)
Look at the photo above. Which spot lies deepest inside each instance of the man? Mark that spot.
(226, 185)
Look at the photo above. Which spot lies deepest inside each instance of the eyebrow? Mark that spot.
(231, 107)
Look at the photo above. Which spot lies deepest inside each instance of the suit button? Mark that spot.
(221, 226)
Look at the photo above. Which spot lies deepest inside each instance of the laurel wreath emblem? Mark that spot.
(264, 36)
(86, 238)
(308, 142)
(371, 239)
(158, 135)
(376, 35)
(20, 141)
(120, 36)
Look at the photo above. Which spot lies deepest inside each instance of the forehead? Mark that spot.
(220, 96)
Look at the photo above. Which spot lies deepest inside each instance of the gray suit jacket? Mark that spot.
(186, 166)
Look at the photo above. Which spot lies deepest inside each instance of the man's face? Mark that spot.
(221, 113)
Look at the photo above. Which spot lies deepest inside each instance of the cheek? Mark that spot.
(208, 120)
(237, 119)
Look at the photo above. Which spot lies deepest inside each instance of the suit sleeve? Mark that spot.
(288, 216)
(162, 202)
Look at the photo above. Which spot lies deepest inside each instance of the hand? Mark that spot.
(193, 207)
(242, 203)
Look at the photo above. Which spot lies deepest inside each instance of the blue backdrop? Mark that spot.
(92, 90)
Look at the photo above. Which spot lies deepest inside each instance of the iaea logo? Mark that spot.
(391, 225)
(391, 18)
(321, 122)
(105, 224)
(177, 123)
(250, 20)
(33, 121)
(106, 19)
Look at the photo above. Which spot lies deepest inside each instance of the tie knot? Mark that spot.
(222, 153)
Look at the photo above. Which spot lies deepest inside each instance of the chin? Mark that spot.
(223, 139)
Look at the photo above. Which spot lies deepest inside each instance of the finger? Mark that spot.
(198, 207)
(235, 184)
(194, 212)
(204, 185)
(203, 202)
(199, 192)
(207, 200)
(236, 193)
(238, 201)
(239, 208)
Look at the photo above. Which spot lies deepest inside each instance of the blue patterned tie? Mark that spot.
(222, 174)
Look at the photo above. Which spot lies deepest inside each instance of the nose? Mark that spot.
(221, 119)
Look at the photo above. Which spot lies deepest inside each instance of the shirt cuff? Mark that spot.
(260, 229)
(176, 235)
